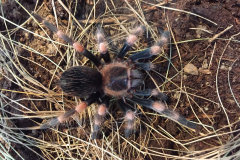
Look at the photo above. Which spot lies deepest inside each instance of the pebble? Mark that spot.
(224, 67)
(51, 49)
(185, 77)
(204, 71)
(199, 32)
(191, 69)
(205, 64)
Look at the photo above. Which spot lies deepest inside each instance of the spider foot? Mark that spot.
(129, 118)
(130, 121)
(96, 131)
(161, 108)
(154, 50)
(50, 123)
(56, 121)
(98, 120)
(132, 38)
(102, 45)
(176, 117)
(99, 117)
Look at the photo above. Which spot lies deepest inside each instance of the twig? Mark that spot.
(219, 34)
(105, 20)
(210, 63)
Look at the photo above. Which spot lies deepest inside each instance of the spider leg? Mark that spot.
(146, 66)
(76, 45)
(129, 117)
(79, 108)
(132, 38)
(154, 50)
(102, 45)
(153, 92)
(161, 108)
(99, 116)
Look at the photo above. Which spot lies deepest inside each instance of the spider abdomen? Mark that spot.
(80, 81)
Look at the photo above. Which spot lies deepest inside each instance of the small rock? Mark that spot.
(191, 69)
(205, 64)
(185, 77)
(224, 67)
(206, 108)
(199, 32)
(204, 71)
(51, 49)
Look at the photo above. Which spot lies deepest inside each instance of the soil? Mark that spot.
(205, 98)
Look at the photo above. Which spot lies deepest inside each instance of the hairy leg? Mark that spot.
(161, 108)
(154, 50)
(132, 38)
(102, 45)
(146, 66)
(153, 92)
(99, 117)
(129, 117)
(79, 108)
(76, 45)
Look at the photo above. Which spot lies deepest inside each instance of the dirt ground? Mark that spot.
(210, 98)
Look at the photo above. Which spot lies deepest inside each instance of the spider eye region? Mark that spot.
(80, 81)
(118, 79)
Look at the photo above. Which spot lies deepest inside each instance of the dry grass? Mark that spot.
(73, 141)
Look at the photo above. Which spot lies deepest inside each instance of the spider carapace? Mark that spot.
(118, 78)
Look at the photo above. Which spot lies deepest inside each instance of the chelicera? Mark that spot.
(118, 78)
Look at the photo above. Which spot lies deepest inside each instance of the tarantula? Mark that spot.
(118, 78)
